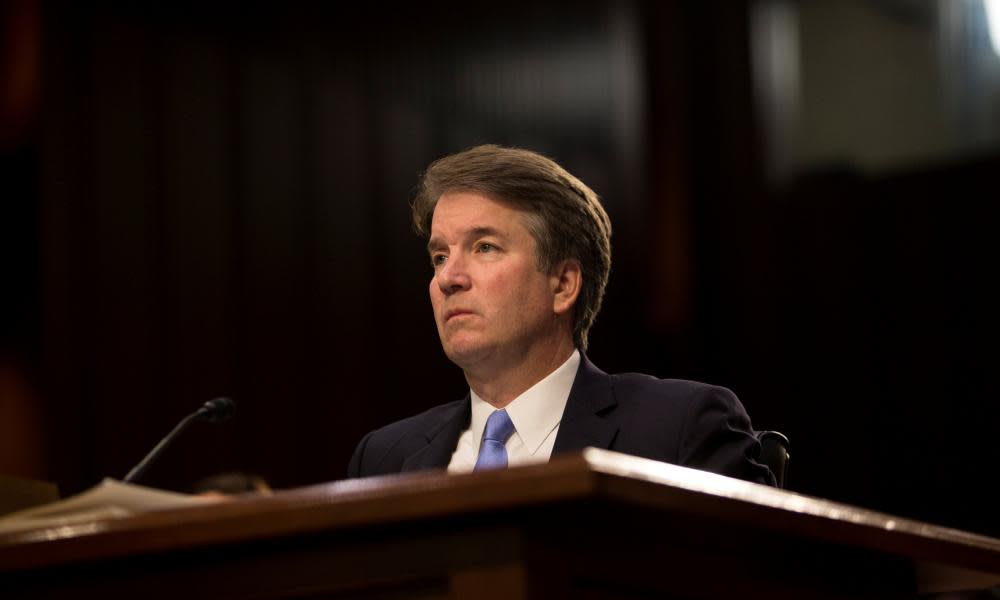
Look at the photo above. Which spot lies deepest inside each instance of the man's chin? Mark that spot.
(467, 355)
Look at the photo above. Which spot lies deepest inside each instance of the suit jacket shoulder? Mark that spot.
(420, 441)
(682, 422)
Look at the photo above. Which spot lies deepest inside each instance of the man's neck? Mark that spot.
(500, 386)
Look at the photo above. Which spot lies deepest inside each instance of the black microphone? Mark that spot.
(215, 410)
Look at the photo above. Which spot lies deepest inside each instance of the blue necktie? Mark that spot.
(492, 453)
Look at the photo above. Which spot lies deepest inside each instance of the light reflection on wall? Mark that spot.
(876, 85)
(774, 38)
(971, 71)
(993, 22)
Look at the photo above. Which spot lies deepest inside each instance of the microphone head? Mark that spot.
(217, 409)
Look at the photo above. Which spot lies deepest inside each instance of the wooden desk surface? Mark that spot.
(610, 491)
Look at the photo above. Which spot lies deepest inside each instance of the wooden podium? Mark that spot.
(591, 525)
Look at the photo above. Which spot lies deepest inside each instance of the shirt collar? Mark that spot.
(537, 411)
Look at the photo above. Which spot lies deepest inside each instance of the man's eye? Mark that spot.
(485, 247)
(438, 259)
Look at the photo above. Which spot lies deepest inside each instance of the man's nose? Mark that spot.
(452, 275)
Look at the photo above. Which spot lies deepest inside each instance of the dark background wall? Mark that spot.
(212, 200)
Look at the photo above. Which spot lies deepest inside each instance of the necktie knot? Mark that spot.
(499, 427)
(492, 453)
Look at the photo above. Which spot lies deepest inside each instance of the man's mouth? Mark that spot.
(457, 312)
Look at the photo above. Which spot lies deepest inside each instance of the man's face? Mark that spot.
(490, 301)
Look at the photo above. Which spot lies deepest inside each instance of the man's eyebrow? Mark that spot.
(476, 232)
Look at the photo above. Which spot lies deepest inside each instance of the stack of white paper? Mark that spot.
(109, 499)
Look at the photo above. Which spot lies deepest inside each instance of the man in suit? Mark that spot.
(521, 254)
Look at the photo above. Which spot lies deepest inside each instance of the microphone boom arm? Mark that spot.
(215, 410)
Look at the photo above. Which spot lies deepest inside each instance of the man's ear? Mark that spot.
(566, 280)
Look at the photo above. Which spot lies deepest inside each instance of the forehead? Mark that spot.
(460, 212)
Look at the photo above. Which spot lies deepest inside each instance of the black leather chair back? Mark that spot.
(774, 453)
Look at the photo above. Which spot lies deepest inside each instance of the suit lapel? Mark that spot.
(441, 440)
(583, 422)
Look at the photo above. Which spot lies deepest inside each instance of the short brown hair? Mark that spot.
(564, 216)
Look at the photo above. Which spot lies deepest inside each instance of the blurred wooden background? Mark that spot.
(211, 199)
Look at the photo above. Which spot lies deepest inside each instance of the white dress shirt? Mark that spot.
(535, 413)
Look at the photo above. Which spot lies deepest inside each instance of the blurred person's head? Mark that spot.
(231, 483)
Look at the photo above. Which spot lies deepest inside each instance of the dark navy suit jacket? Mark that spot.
(681, 422)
